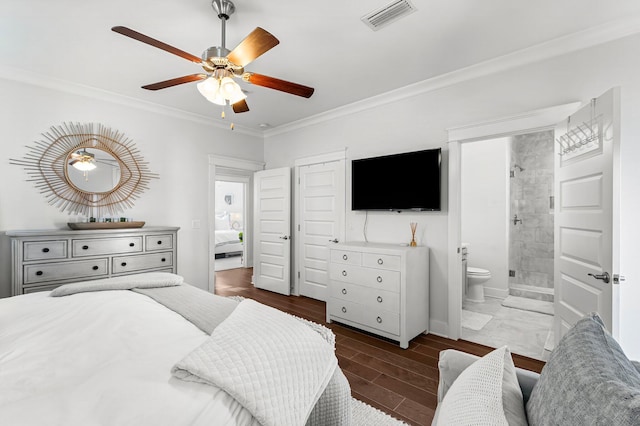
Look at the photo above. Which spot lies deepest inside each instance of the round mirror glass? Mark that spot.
(93, 170)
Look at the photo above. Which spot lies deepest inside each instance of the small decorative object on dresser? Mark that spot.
(414, 227)
(380, 288)
(44, 260)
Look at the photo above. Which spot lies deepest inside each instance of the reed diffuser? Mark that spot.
(413, 226)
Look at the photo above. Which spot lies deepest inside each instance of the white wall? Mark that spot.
(421, 121)
(177, 149)
(484, 210)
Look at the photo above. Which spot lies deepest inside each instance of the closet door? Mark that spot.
(321, 223)
(272, 243)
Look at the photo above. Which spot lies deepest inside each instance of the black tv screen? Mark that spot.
(407, 181)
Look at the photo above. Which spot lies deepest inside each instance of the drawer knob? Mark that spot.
(163, 260)
(159, 242)
(95, 268)
(45, 250)
(344, 273)
(380, 261)
(344, 310)
(39, 273)
(379, 320)
(85, 247)
(345, 257)
(132, 244)
(379, 299)
(344, 291)
(123, 264)
(379, 279)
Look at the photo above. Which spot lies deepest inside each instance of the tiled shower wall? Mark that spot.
(531, 241)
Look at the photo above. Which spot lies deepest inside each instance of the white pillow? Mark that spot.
(222, 222)
(485, 393)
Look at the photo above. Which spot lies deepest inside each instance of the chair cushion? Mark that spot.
(588, 380)
(485, 393)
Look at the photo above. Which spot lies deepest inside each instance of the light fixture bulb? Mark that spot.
(84, 165)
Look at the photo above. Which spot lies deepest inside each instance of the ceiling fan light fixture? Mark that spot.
(83, 161)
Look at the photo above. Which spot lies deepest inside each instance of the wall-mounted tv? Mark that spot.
(407, 181)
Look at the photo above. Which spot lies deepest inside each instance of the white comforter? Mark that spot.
(84, 360)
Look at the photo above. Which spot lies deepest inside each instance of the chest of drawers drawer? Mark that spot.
(382, 320)
(45, 250)
(346, 257)
(381, 261)
(124, 264)
(158, 242)
(375, 278)
(345, 309)
(42, 272)
(102, 246)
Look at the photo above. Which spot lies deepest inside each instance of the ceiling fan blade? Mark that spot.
(255, 44)
(277, 84)
(156, 43)
(240, 106)
(175, 81)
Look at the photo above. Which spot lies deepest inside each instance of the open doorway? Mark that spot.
(230, 219)
(507, 234)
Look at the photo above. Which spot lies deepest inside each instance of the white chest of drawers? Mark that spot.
(44, 260)
(380, 288)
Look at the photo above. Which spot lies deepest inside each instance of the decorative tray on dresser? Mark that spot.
(44, 260)
(380, 288)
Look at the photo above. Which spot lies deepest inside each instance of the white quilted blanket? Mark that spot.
(274, 365)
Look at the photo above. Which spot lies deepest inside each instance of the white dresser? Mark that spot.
(380, 288)
(43, 260)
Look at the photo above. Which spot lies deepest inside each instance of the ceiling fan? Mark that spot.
(222, 65)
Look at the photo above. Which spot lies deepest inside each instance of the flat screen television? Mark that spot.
(407, 181)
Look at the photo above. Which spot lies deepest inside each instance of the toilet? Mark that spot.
(475, 278)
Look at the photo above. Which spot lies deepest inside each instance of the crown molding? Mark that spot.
(35, 79)
(590, 37)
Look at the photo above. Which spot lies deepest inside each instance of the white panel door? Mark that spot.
(321, 222)
(272, 242)
(586, 215)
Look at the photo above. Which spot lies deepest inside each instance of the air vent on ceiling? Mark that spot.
(388, 14)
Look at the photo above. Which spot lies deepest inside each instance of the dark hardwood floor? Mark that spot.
(400, 382)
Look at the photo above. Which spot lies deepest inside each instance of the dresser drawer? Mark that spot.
(346, 273)
(347, 291)
(346, 257)
(102, 246)
(43, 250)
(381, 299)
(64, 270)
(124, 264)
(381, 261)
(382, 320)
(158, 242)
(381, 279)
(345, 309)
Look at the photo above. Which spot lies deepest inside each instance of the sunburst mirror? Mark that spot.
(87, 168)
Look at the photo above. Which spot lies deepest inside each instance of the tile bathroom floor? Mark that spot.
(524, 332)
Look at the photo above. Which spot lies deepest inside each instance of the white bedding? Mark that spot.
(227, 236)
(64, 365)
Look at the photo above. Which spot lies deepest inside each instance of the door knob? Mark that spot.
(604, 277)
(284, 237)
(335, 240)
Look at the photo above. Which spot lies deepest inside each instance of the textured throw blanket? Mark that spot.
(274, 365)
(125, 282)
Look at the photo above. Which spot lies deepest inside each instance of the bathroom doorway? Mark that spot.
(506, 214)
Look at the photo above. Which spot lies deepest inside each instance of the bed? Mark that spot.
(134, 351)
(227, 234)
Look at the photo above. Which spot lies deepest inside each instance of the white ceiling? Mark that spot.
(323, 44)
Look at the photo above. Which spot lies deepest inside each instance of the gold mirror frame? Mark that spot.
(46, 165)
